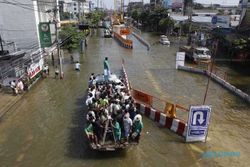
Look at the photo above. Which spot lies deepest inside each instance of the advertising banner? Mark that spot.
(44, 34)
(221, 21)
(35, 68)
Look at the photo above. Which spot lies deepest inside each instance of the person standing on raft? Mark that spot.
(106, 69)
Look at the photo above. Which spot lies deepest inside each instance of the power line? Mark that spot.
(31, 8)
(1, 29)
(37, 56)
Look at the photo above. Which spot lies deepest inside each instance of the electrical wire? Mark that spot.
(24, 6)
(35, 57)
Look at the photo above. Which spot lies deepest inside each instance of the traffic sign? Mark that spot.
(198, 121)
(214, 20)
(180, 59)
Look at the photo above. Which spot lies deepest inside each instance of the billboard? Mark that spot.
(221, 21)
(172, 4)
(177, 4)
(44, 34)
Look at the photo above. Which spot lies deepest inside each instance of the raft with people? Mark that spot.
(113, 120)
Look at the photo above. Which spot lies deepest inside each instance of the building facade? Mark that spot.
(19, 20)
(74, 7)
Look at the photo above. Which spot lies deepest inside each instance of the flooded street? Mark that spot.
(46, 127)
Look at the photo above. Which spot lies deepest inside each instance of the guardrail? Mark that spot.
(136, 30)
(219, 80)
(171, 109)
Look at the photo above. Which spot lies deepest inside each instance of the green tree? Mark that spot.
(135, 14)
(95, 16)
(65, 16)
(75, 37)
(166, 24)
(155, 16)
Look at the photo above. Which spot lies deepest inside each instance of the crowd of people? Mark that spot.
(111, 109)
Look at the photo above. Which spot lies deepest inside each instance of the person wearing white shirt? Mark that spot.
(20, 86)
(77, 66)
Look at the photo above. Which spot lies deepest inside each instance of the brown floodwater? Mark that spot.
(45, 128)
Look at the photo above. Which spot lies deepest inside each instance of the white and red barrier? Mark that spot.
(173, 124)
(126, 78)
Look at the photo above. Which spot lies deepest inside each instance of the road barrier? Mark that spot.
(136, 30)
(167, 114)
(126, 43)
(219, 80)
(143, 41)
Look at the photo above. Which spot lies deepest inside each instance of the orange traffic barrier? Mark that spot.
(163, 106)
(142, 97)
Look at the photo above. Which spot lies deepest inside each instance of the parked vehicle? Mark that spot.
(196, 53)
(164, 40)
(107, 33)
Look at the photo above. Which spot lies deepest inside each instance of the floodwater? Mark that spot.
(46, 127)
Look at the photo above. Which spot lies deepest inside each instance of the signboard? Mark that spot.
(198, 121)
(35, 68)
(44, 34)
(214, 20)
(124, 32)
(180, 59)
(221, 21)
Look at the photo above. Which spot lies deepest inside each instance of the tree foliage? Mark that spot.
(95, 16)
(65, 16)
(74, 33)
(155, 19)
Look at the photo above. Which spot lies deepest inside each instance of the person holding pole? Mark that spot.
(106, 69)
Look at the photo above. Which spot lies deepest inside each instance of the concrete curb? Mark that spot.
(219, 80)
(143, 41)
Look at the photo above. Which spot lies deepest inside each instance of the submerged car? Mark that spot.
(107, 33)
(164, 40)
(201, 53)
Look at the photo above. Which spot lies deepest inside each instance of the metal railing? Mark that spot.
(171, 109)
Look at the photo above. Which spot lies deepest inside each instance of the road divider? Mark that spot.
(139, 37)
(219, 80)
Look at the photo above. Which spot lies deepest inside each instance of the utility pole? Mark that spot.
(57, 42)
(79, 12)
(1, 42)
(210, 71)
(190, 12)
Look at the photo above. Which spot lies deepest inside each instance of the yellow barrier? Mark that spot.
(168, 108)
(142, 97)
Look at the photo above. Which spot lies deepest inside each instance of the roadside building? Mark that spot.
(19, 20)
(74, 7)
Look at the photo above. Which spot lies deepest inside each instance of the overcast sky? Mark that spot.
(110, 3)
